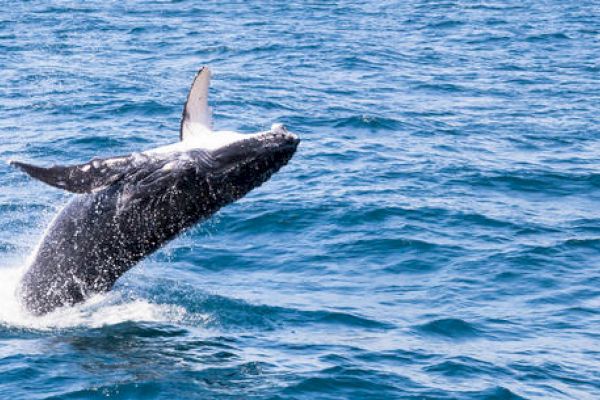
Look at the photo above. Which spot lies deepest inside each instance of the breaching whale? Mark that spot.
(129, 206)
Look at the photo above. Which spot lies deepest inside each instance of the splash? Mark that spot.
(103, 309)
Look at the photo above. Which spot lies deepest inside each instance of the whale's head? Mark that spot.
(244, 162)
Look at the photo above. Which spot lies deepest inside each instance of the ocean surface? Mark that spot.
(436, 236)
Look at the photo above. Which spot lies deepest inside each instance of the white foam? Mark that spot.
(104, 309)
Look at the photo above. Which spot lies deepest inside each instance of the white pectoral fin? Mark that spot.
(197, 119)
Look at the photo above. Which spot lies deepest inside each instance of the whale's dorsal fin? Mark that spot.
(82, 178)
(196, 118)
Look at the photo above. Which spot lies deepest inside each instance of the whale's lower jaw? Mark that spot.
(100, 235)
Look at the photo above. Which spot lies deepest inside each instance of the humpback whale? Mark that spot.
(128, 206)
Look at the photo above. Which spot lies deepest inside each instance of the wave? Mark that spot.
(547, 37)
(367, 122)
(466, 367)
(451, 328)
(544, 182)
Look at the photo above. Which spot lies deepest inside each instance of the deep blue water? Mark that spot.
(437, 235)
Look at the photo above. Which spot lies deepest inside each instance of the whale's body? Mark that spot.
(130, 206)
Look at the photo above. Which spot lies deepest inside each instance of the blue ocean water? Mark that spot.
(437, 235)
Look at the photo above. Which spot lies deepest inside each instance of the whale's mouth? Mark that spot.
(276, 138)
(275, 147)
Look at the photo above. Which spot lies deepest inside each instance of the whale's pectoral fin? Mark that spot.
(83, 178)
(197, 118)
